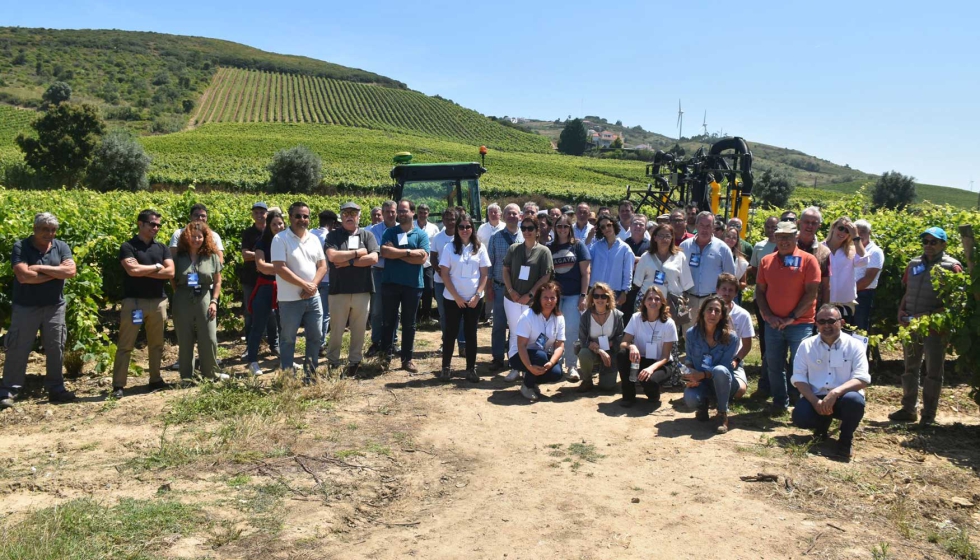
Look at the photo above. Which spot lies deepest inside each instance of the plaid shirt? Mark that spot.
(497, 250)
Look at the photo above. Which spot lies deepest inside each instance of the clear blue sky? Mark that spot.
(877, 85)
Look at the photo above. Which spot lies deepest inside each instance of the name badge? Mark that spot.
(542, 340)
(354, 242)
(659, 278)
(603, 342)
(707, 361)
(653, 350)
(403, 239)
(695, 260)
(918, 269)
(192, 280)
(836, 358)
(137, 316)
(525, 273)
(792, 261)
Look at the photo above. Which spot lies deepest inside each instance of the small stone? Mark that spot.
(962, 502)
(635, 500)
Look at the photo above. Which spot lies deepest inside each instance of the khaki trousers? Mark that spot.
(154, 319)
(344, 309)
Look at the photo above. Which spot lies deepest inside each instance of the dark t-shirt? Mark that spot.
(351, 279)
(250, 238)
(637, 248)
(568, 273)
(152, 253)
(51, 292)
(266, 248)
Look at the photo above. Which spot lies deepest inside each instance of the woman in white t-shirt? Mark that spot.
(645, 350)
(846, 254)
(732, 239)
(540, 341)
(463, 267)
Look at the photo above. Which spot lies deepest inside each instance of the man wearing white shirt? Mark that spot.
(831, 372)
(867, 276)
(299, 262)
(199, 213)
(428, 271)
(582, 228)
(491, 226)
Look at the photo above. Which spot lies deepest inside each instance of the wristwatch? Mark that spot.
(158, 266)
(584, 295)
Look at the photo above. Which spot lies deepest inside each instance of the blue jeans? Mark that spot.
(407, 298)
(324, 290)
(862, 315)
(849, 409)
(262, 314)
(569, 310)
(722, 383)
(538, 357)
(777, 343)
(498, 336)
(292, 314)
(441, 306)
(272, 323)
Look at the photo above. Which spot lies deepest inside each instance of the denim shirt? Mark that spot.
(721, 354)
(612, 265)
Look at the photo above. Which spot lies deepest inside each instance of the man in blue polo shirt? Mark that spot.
(41, 264)
(405, 248)
(707, 257)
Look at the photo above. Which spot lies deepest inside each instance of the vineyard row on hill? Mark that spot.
(249, 96)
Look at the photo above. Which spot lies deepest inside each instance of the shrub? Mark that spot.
(296, 170)
(57, 93)
(772, 190)
(66, 137)
(893, 191)
(573, 139)
(120, 164)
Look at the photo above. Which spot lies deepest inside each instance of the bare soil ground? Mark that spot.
(402, 466)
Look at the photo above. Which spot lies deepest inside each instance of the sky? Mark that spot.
(877, 85)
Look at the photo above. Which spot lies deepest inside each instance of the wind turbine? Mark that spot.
(704, 124)
(680, 121)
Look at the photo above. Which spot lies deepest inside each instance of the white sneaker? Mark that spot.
(244, 355)
(254, 369)
(513, 375)
(221, 377)
(529, 393)
(573, 375)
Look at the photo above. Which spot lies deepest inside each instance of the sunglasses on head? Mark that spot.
(931, 241)
(827, 321)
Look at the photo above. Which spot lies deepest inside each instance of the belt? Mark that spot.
(499, 283)
(692, 294)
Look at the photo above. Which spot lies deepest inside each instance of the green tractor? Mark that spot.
(440, 185)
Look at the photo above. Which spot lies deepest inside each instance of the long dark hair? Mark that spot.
(723, 331)
(458, 241)
(267, 232)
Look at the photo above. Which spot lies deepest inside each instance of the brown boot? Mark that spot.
(722, 419)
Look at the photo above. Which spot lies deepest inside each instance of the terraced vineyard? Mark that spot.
(12, 122)
(251, 96)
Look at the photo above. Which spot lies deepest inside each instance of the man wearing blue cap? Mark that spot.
(921, 299)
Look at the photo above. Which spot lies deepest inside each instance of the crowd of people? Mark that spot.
(571, 293)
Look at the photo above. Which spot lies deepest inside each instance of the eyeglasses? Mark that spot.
(788, 219)
(665, 237)
(154, 225)
(563, 226)
(606, 225)
(600, 296)
(843, 229)
(931, 241)
(464, 227)
(350, 213)
(827, 321)
(528, 228)
(301, 216)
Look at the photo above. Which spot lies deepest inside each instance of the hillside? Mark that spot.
(801, 168)
(139, 76)
(248, 96)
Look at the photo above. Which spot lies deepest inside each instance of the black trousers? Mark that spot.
(651, 388)
(471, 319)
(425, 308)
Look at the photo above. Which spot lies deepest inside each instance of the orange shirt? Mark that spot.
(786, 282)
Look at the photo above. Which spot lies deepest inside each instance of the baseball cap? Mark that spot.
(936, 232)
(260, 205)
(350, 206)
(786, 227)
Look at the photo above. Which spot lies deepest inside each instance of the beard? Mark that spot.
(403, 219)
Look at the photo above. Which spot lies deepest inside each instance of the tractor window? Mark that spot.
(471, 200)
(442, 194)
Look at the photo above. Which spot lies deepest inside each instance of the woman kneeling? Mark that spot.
(540, 342)
(599, 332)
(711, 348)
(645, 351)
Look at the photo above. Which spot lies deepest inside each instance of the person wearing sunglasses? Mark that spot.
(921, 299)
(712, 345)
(612, 259)
(831, 371)
(572, 263)
(645, 351)
(527, 267)
(463, 266)
(41, 263)
(847, 253)
(678, 224)
(148, 266)
(300, 264)
(600, 331)
(786, 293)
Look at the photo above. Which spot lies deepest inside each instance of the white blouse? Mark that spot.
(676, 278)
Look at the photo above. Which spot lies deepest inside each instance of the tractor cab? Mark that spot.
(440, 185)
